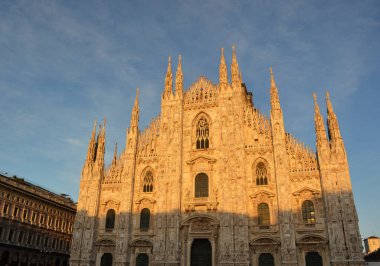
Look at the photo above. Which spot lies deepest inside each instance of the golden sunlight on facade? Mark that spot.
(213, 181)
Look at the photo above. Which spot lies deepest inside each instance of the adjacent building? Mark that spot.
(36, 224)
(371, 244)
(213, 181)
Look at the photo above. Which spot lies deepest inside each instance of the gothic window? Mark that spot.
(263, 214)
(202, 134)
(308, 213)
(148, 182)
(144, 220)
(261, 174)
(110, 219)
(201, 185)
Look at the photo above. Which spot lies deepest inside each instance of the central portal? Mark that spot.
(201, 253)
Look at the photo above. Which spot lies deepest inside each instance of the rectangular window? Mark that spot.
(46, 242)
(34, 217)
(50, 221)
(38, 240)
(15, 212)
(20, 236)
(30, 237)
(10, 236)
(25, 214)
(5, 209)
(42, 219)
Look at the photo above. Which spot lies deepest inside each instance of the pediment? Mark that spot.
(201, 158)
(311, 239)
(150, 200)
(141, 242)
(262, 193)
(264, 241)
(105, 242)
(306, 189)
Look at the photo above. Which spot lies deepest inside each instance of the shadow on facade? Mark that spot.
(202, 234)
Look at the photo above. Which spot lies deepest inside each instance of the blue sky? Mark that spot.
(65, 63)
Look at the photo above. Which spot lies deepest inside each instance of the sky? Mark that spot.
(65, 63)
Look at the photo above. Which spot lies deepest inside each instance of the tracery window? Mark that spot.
(110, 219)
(202, 134)
(308, 212)
(201, 185)
(261, 174)
(263, 214)
(144, 220)
(148, 182)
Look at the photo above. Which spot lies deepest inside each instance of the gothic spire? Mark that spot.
(179, 78)
(332, 121)
(223, 74)
(274, 98)
(101, 144)
(91, 146)
(168, 92)
(320, 131)
(135, 111)
(235, 73)
(114, 155)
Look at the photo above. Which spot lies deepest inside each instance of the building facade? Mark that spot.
(213, 181)
(371, 244)
(36, 224)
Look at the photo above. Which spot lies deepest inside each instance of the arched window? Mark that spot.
(148, 182)
(201, 185)
(263, 214)
(142, 259)
(202, 134)
(110, 219)
(144, 220)
(261, 174)
(266, 259)
(308, 213)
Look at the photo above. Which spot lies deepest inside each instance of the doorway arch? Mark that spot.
(201, 253)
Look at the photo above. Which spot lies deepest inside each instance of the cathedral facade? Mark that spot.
(213, 181)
